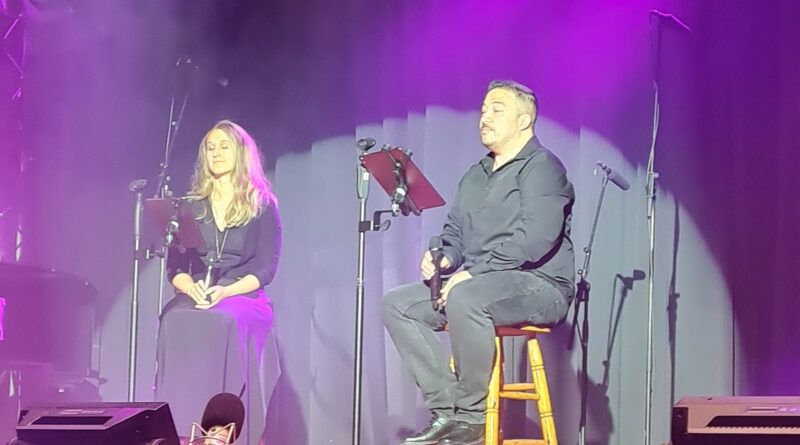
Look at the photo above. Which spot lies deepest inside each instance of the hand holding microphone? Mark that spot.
(437, 256)
(197, 292)
(426, 267)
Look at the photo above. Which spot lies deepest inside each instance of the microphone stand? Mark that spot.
(655, 16)
(162, 191)
(162, 188)
(652, 176)
(582, 298)
(136, 186)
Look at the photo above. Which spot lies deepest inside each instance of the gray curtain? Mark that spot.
(309, 78)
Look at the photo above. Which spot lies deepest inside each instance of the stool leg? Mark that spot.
(540, 381)
(493, 397)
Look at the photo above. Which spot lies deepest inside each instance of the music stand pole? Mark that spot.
(410, 192)
(363, 190)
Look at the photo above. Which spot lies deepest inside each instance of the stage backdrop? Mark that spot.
(310, 78)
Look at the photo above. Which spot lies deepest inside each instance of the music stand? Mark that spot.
(410, 192)
(393, 169)
(175, 218)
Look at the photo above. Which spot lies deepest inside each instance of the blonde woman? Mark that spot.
(213, 333)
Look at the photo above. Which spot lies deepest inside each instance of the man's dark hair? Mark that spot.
(523, 94)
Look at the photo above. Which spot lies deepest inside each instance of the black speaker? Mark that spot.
(736, 421)
(143, 423)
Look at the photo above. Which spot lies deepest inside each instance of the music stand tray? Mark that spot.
(163, 211)
(385, 165)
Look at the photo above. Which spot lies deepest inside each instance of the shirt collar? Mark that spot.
(527, 151)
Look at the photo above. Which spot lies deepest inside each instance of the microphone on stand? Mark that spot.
(364, 144)
(401, 189)
(222, 421)
(437, 253)
(137, 185)
(398, 198)
(614, 176)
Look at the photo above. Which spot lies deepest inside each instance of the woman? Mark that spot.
(214, 335)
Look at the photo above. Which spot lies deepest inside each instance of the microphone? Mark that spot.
(222, 420)
(398, 198)
(627, 282)
(435, 246)
(364, 144)
(670, 17)
(137, 185)
(209, 271)
(614, 176)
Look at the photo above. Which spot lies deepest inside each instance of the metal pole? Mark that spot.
(163, 191)
(134, 327)
(162, 278)
(651, 259)
(583, 298)
(363, 190)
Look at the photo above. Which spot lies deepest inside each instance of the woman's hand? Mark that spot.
(197, 292)
(212, 296)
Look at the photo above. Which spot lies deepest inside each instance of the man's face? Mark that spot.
(499, 121)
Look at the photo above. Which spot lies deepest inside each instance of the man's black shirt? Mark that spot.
(514, 218)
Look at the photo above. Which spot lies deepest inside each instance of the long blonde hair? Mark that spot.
(252, 191)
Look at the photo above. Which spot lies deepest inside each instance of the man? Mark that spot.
(508, 231)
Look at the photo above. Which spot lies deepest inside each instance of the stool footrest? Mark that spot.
(518, 387)
(524, 442)
(519, 395)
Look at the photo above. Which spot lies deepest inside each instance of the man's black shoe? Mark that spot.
(464, 433)
(438, 427)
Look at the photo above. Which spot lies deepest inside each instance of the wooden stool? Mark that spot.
(536, 390)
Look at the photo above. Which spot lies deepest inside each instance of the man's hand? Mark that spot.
(455, 279)
(213, 295)
(426, 267)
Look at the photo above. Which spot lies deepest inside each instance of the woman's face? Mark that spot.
(220, 153)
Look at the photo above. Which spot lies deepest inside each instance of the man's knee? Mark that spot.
(396, 301)
(388, 306)
(463, 301)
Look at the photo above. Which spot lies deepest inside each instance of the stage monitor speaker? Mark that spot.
(736, 421)
(142, 423)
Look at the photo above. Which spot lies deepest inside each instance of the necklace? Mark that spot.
(220, 247)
